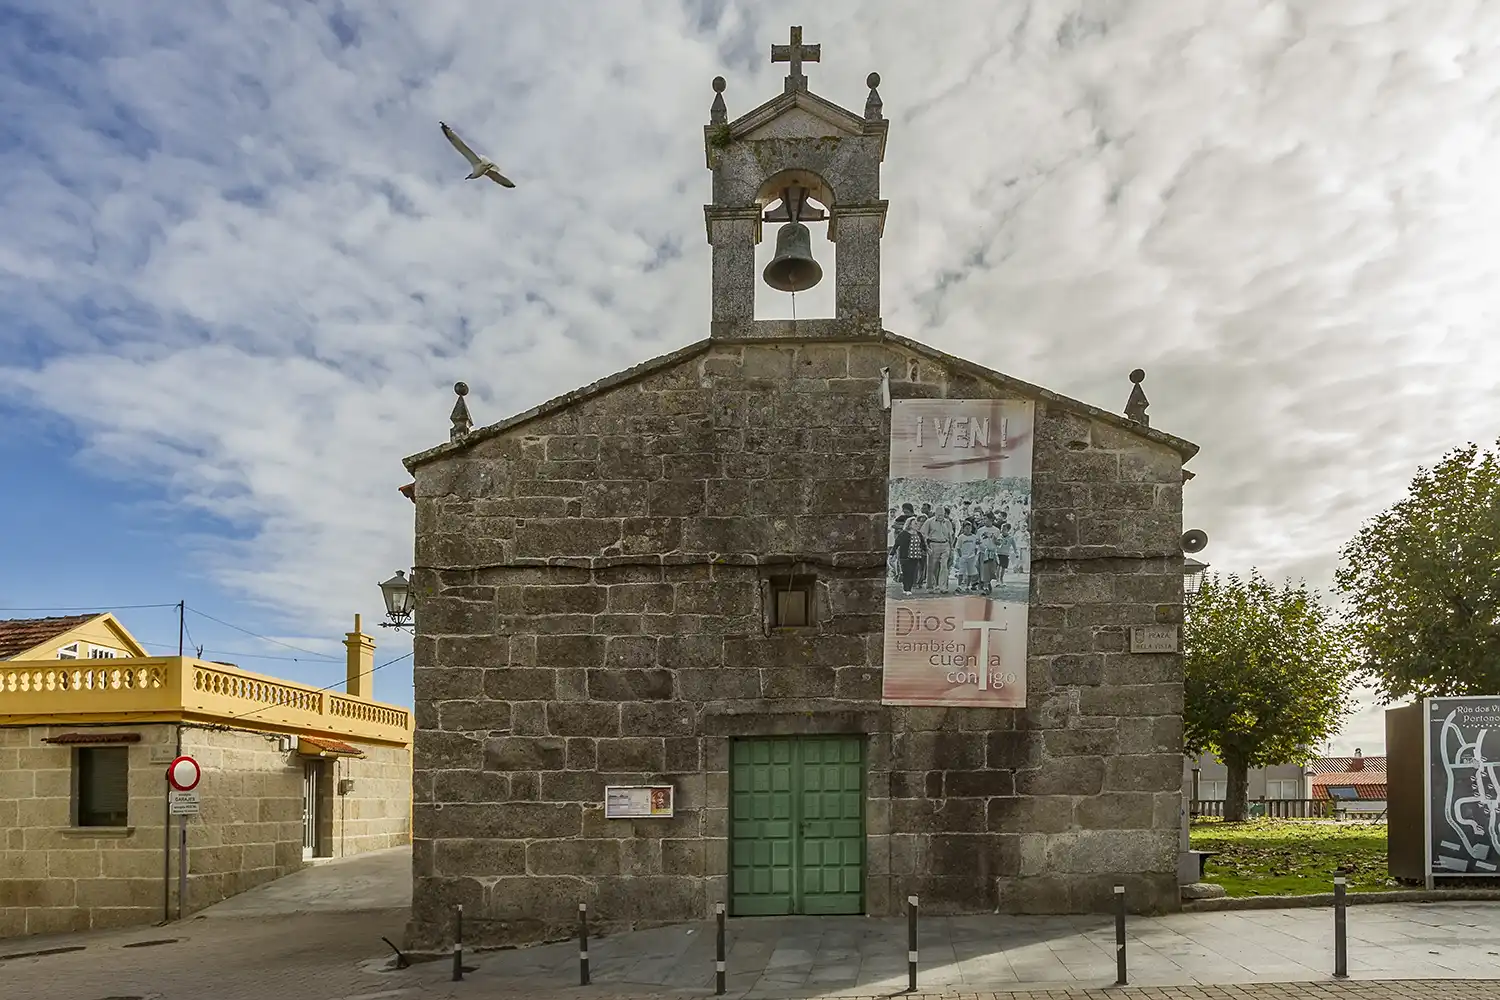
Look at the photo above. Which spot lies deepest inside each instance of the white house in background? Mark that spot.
(1356, 785)
(1278, 781)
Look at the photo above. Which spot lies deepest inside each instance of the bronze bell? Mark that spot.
(793, 269)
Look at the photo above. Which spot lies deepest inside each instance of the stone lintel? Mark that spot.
(768, 717)
(732, 213)
(774, 330)
(876, 209)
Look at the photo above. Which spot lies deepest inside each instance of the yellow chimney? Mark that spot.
(360, 663)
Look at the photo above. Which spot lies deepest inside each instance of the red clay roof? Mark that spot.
(1358, 780)
(332, 746)
(1346, 765)
(1365, 792)
(17, 635)
(77, 739)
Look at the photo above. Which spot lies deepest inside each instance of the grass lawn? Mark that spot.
(1293, 857)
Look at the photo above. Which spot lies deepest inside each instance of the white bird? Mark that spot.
(483, 165)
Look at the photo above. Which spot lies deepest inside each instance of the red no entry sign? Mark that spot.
(183, 773)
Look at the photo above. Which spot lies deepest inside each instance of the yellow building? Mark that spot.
(290, 773)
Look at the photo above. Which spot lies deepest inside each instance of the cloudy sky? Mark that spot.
(240, 269)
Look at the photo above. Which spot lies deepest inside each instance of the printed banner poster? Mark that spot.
(958, 575)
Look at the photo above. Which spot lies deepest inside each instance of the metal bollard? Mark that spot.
(1340, 928)
(458, 943)
(911, 944)
(583, 944)
(1119, 935)
(719, 965)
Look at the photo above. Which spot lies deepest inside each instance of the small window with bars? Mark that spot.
(102, 786)
(100, 653)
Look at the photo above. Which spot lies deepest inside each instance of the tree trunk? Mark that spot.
(1235, 788)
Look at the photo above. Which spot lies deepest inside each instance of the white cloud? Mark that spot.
(256, 260)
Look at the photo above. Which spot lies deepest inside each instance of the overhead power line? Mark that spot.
(307, 653)
(95, 607)
(248, 656)
(262, 638)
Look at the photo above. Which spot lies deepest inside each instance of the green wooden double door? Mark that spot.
(797, 825)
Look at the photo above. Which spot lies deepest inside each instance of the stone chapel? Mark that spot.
(654, 615)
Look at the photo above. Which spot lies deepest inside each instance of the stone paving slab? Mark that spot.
(1455, 948)
(795, 958)
(375, 880)
(1397, 990)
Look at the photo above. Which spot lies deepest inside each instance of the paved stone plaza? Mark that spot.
(1407, 951)
(811, 957)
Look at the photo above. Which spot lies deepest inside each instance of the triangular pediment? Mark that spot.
(914, 348)
(798, 115)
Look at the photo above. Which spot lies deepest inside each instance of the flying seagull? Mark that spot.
(483, 165)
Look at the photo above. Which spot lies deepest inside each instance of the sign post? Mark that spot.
(183, 774)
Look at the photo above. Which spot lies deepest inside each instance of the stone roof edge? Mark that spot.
(821, 107)
(1182, 446)
(557, 403)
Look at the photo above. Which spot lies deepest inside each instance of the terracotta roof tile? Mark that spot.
(325, 745)
(1346, 765)
(17, 635)
(81, 739)
(1358, 780)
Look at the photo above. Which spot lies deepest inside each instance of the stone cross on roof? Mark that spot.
(795, 53)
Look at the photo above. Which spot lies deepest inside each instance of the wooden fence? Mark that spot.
(1269, 808)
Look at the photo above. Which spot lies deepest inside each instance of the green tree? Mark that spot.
(1268, 677)
(1422, 583)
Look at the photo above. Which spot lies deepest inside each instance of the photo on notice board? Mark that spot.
(958, 572)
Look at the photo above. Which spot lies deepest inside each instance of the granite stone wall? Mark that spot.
(57, 877)
(589, 613)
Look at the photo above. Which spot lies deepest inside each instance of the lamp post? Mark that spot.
(399, 602)
(1192, 576)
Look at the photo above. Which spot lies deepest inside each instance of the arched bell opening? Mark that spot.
(795, 261)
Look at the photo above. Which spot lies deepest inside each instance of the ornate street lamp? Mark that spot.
(399, 601)
(1192, 576)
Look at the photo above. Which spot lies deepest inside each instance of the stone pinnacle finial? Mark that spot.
(462, 422)
(1135, 407)
(872, 103)
(796, 54)
(718, 114)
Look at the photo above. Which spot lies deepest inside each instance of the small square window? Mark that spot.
(102, 781)
(791, 600)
